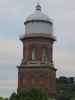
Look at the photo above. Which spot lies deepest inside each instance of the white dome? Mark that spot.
(38, 16)
(38, 22)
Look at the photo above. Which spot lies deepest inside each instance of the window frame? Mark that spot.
(33, 55)
(45, 56)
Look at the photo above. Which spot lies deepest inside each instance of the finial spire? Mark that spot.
(38, 7)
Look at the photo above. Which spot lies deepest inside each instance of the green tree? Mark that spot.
(6, 99)
(33, 94)
(13, 96)
(1, 98)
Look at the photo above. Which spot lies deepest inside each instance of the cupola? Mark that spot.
(38, 22)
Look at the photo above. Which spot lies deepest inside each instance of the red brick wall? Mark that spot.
(44, 78)
(40, 78)
(39, 45)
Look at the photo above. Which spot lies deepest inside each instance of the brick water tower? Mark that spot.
(37, 69)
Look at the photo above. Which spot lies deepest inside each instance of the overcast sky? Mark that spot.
(12, 16)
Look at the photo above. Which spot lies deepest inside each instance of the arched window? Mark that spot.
(33, 53)
(45, 54)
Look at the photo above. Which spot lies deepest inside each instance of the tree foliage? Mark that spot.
(1, 98)
(65, 88)
(33, 94)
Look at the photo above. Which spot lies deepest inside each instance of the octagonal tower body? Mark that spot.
(36, 69)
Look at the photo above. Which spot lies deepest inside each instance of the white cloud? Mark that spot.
(7, 11)
(10, 51)
(8, 83)
(7, 87)
(64, 61)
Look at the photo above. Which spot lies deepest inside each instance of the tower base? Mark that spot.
(42, 77)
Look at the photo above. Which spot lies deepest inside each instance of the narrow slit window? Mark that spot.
(45, 54)
(33, 53)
